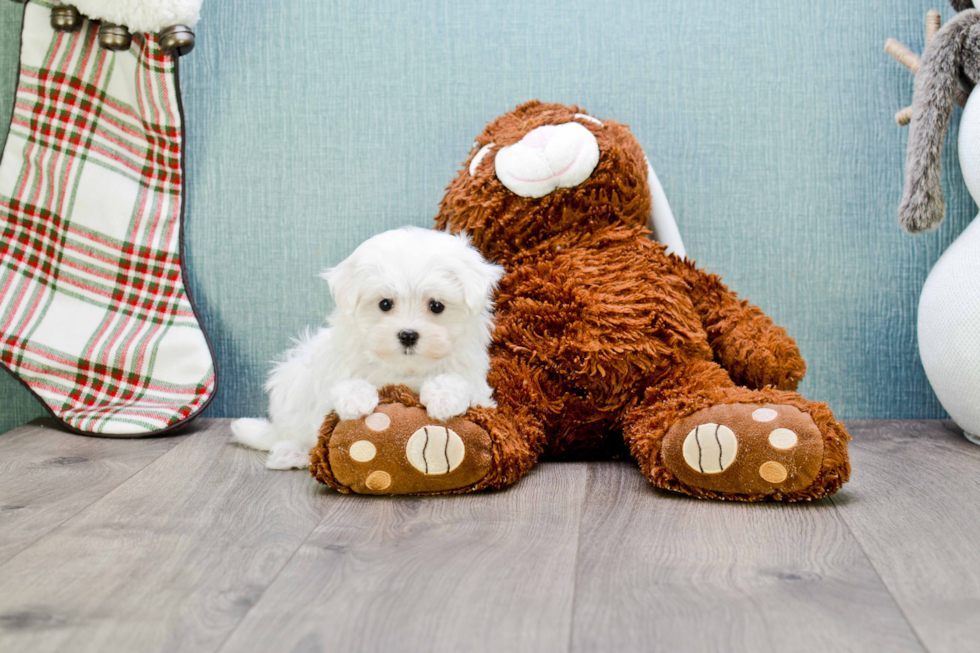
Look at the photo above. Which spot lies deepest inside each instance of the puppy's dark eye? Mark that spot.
(386, 305)
(436, 307)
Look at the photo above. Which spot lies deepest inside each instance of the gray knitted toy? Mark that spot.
(949, 68)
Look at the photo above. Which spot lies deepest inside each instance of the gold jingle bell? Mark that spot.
(65, 18)
(114, 37)
(177, 40)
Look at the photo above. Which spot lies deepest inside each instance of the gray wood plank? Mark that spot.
(202, 548)
(482, 572)
(47, 475)
(168, 561)
(665, 572)
(914, 505)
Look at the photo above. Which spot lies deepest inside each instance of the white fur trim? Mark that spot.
(142, 15)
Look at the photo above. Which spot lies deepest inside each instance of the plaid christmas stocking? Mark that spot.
(94, 315)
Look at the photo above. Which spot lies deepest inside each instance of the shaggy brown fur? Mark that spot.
(601, 336)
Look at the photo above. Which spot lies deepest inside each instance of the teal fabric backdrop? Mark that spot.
(315, 124)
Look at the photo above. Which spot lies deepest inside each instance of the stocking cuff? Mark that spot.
(141, 15)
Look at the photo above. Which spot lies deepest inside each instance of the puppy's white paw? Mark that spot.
(445, 396)
(354, 398)
(484, 398)
(287, 455)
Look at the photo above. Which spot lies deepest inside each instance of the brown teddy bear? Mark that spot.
(605, 344)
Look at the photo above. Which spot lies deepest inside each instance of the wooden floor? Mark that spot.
(187, 543)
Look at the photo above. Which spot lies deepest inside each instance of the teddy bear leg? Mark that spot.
(698, 433)
(399, 449)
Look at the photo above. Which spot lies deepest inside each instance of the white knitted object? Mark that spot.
(141, 15)
(949, 309)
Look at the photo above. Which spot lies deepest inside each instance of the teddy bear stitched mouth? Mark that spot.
(557, 174)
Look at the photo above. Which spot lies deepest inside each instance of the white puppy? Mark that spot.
(413, 307)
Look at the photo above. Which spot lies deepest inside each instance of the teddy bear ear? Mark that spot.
(662, 222)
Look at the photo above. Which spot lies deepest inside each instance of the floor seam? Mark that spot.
(860, 545)
(272, 581)
(578, 549)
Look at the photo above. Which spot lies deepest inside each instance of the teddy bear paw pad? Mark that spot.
(401, 450)
(745, 449)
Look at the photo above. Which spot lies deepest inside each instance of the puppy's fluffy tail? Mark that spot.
(254, 433)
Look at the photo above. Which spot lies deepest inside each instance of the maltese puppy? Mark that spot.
(413, 307)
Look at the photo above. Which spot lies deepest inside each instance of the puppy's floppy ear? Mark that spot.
(343, 285)
(961, 5)
(476, 276)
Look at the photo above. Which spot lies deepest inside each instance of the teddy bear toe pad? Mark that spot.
(401, 450)
(745, 449)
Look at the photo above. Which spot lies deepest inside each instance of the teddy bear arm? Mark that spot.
(756, 352)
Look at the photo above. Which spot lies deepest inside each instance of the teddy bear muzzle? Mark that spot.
(548, 158)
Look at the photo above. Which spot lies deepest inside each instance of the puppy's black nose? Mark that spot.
(408, 338)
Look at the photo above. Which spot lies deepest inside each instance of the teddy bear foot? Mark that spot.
(401, 450)
(745, 451)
